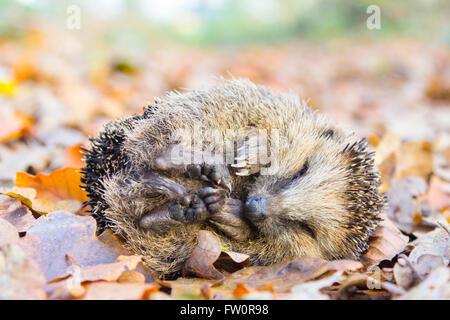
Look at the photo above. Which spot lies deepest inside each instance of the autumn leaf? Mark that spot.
(414, 159)
(42, 206)
(404, 199)
(74, 156)
(13, 124)
(15, 212)
(283, 276)
(205, 256)
(59, 233)
(240, 290)
(63, 184)
(435, 287)
(385, 244)
(20, 277)
(430, 251)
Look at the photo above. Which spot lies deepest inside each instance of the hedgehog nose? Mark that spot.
(255, 208)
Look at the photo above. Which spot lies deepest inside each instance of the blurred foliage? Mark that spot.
(235, 22)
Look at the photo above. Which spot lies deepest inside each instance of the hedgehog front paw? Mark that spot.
(210, 170)
(218, 174)
(197, 207)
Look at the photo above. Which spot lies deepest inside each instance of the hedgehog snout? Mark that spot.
(255, 208)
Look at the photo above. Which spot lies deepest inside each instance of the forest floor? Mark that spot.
(55, 93)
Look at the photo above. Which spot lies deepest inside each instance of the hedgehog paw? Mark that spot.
(197, 207)
(218, 174)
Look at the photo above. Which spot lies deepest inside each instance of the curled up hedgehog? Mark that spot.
(260, 170)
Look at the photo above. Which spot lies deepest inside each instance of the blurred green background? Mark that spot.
(203, 22)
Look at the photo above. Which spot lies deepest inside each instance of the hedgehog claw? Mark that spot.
(211, 173)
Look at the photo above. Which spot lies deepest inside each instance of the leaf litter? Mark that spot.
(48, 245)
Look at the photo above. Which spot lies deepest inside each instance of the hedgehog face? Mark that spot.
(330, 189)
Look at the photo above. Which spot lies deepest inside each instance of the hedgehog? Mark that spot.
(289, 184)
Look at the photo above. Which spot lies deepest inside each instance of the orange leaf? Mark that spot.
(240, 290)
(13, 124)
(73, 156)
(58, 185)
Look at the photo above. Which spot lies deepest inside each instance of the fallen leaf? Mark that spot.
(387, 171)
(230, 261)
(385, 244)
(12, 124)
(59, 233)
(414, 159)
(403, 201)
(430, 251)
(203, 260)
(240, 290)
(73, 286)
(435, 287)
(389, 144)
(109, 271)
(131, 276)
(282, 277)
(15, 212)
(20, 277)
(63, 184)
(74, 156)
(191, 288)
(42, 206)
(311, 290)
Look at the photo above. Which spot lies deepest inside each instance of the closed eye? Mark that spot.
(287, 182)
(302, 171)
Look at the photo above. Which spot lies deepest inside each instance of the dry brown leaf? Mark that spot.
(20, 277)
(59, 233)
(414, 159)
(74, 285)
(435, 287)
(42, 206)
(191, 288)
(389, 144)
(431, 250)
(282, 277)
(131, 276)
(63, 184)
(311, 290)
(385, 244)
(109, 271)
(205, 256)
(387, 171)
(15, 212)
(404, 199)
